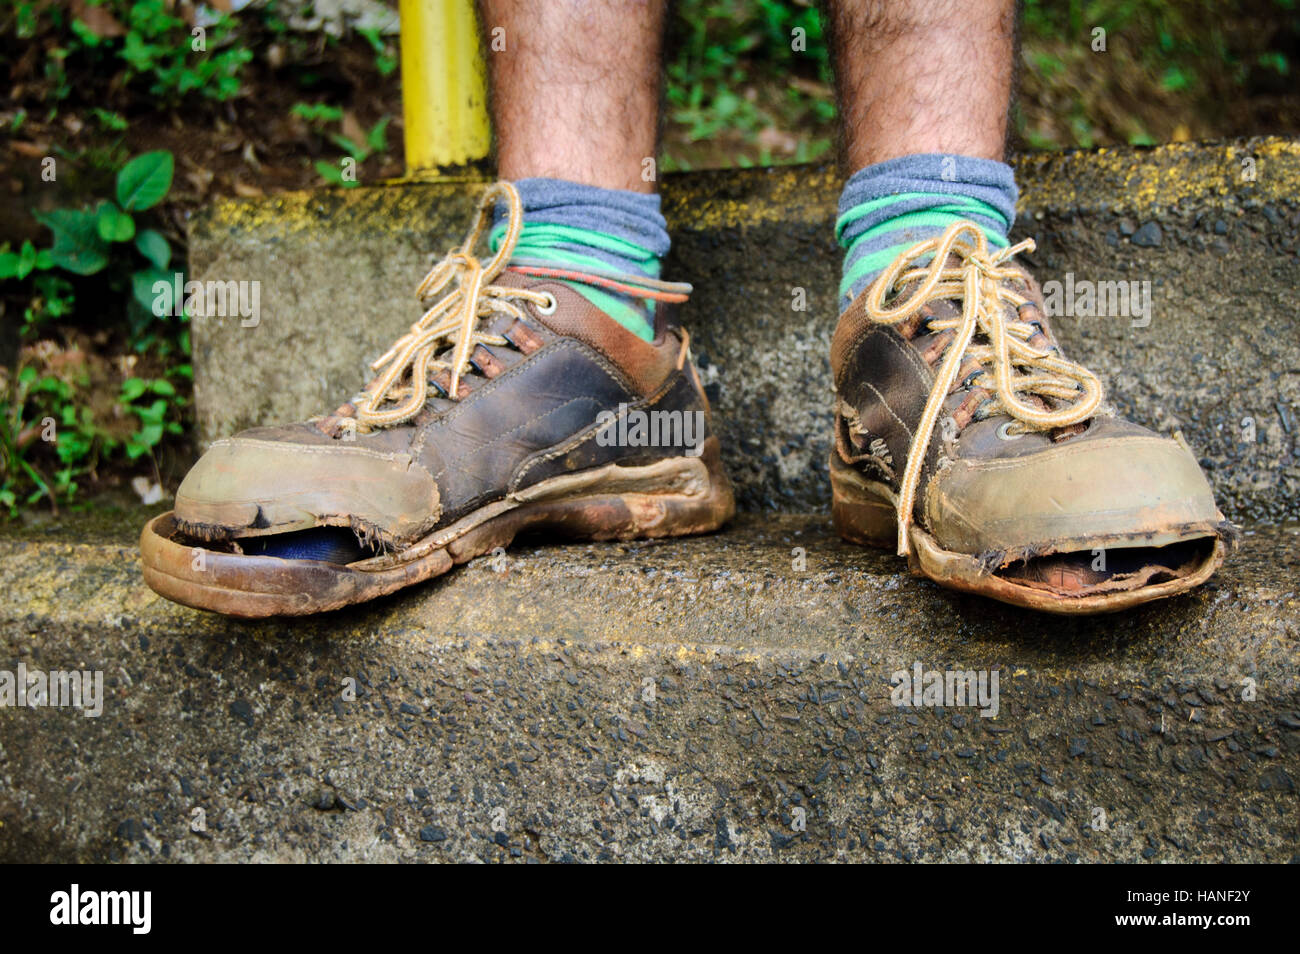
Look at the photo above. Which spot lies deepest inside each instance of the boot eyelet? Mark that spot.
(549, 307)
(1004, 432)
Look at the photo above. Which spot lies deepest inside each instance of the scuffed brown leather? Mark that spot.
(1111, 483)
(526, 414)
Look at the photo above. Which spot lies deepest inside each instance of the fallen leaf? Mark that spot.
(351, 128)
(200, 179)
(30, 150)
(97, 19)
(811, 87)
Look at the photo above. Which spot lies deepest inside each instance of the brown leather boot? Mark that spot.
(513, 403)
(965, 439)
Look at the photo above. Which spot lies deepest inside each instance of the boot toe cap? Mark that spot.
(247, 483)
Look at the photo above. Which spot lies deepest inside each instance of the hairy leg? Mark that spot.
(922, 76)
(575, 92)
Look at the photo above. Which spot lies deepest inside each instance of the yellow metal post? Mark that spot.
(444, 91)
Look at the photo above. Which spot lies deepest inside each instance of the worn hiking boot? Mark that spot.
(964, 438)
(512, 403)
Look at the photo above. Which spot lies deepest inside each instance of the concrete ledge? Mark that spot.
(677, 700)
(1218, 360)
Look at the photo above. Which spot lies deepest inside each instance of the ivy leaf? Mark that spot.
(144, 180)
(77, 245)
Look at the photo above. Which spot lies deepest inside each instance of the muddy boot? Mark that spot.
(513, 403)
(968, 441)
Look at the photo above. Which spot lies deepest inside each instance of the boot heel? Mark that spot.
(862, 510)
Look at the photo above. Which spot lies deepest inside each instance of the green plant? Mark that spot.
(161, 49)
(50, 436)
(318, 116)
(156, 415)
(376, 141)
(385, 59)
(744, 69)
(84, 238)
(317, 113)
(109, 120)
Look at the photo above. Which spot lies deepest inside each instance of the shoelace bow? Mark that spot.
(1073, 392)
(401, 386)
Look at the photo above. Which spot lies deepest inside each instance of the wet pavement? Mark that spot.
(728, 697)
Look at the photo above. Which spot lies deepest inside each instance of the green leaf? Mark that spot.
(113, 224)
(132, 388)
(154, 247)
(85, 33)
(359, 153)
(77, 245)
(317, 112)
(20, 264)
(377, 138)
(154, 413)
(144, 287)
(332, 174)
(27, 258)
(144, 180)
(109, 119)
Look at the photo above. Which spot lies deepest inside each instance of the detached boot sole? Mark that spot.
(864, 511)
(672, 497)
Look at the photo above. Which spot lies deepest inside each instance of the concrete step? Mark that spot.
(725, 697)
(722, 698)
(1214, 229)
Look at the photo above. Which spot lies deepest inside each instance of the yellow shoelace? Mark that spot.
(978, 280)
(402, 386)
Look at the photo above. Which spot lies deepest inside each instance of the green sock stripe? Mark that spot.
(873, 262)
(960, 205)
(934, 220)
(564, 256)
(930, 219)
(869, 264)
(549, 243)
(535, 236)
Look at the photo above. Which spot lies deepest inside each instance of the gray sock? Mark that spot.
(888, 207)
